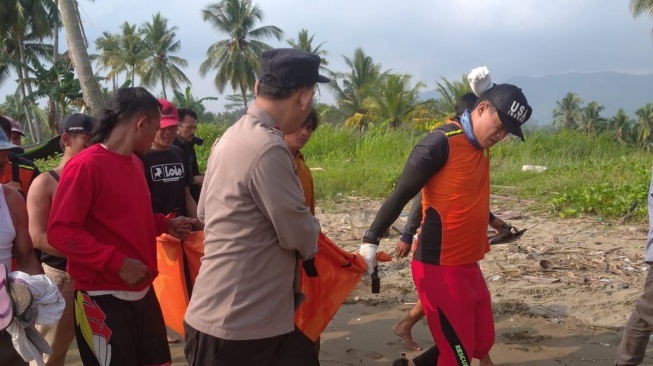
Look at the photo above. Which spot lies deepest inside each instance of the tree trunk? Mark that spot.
(77, 49)
(55, 58)
(21, 91)
(243, 93)
(163, 85)
(36, 129)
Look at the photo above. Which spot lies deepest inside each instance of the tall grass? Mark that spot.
(209, 132)
(586, 175)
(346, 163)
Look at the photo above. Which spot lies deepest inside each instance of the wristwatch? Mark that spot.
(370, 237)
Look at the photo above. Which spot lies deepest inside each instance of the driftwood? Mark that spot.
(540, 279)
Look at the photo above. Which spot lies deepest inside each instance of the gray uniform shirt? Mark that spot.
(256, 226)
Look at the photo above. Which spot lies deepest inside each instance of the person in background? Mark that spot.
(637, 333)
(451, 167)
(15, 242)
(75, 131)
(257, 228)
(187, 140)
(101, 220)
(16, 132)
(296, 141)
(166, 168)
(20, 172)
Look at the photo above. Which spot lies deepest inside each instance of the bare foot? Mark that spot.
(402, 332)
(171, 339)
(486, 361)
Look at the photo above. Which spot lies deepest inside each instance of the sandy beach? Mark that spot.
(561, 295)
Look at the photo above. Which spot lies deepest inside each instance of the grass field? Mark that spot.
(586, 175)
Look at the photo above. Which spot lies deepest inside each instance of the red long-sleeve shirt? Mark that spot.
(102, 214)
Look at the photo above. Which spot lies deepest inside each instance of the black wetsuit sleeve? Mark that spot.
(414, 219)
(426, 159)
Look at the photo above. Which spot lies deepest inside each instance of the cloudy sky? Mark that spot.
(426, 38)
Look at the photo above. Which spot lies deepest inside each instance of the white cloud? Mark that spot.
(428, 39)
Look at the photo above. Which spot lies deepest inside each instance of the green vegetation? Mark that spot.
(354, 165)
(586, 175)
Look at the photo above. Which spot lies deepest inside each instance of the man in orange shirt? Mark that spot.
(451, 167)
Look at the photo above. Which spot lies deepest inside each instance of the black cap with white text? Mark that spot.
(512, 106)
(77, 123)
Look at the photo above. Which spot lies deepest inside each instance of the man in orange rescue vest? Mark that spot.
(451, 167)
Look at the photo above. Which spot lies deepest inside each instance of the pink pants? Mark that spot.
(458, 309)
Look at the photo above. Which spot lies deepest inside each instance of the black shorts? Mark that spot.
(290, 349)
(8, 355)
(111, 331)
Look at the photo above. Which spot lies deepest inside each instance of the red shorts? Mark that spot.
(458, 309)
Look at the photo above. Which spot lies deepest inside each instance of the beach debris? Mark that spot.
(534, 168)
(540, 279)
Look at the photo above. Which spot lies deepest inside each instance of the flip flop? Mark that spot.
(403, 361)
(6, 307)
(507, 234)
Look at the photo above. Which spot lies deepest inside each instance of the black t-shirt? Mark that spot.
(167, 177)
(189, 149)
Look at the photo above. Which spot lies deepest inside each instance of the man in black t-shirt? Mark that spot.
(166, 169)
(187, 140)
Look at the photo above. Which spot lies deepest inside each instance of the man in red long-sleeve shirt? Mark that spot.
(102, 221)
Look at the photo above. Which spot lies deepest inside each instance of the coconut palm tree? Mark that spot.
(110, 57)
(639, 7)
(58, 83)
(5, 66)
(353, 98)
(236, 59)
(187, 100)
(161, 65)
(644, 124)
(395, 100)
(77, 48)
(450, 92)
(591, 120)
(20, 20)
(621, 126)
(133, 50)
(305, 43)
(567, 114)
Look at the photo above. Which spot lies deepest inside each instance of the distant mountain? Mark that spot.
(613, 90)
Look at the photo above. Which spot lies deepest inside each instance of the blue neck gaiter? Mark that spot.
(466, 122)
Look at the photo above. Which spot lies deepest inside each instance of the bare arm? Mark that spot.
(22, 248)
(191, 208)
(39, 202)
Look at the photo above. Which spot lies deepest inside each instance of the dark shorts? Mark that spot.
(8, 355)
(291, 349)
(111, 331)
